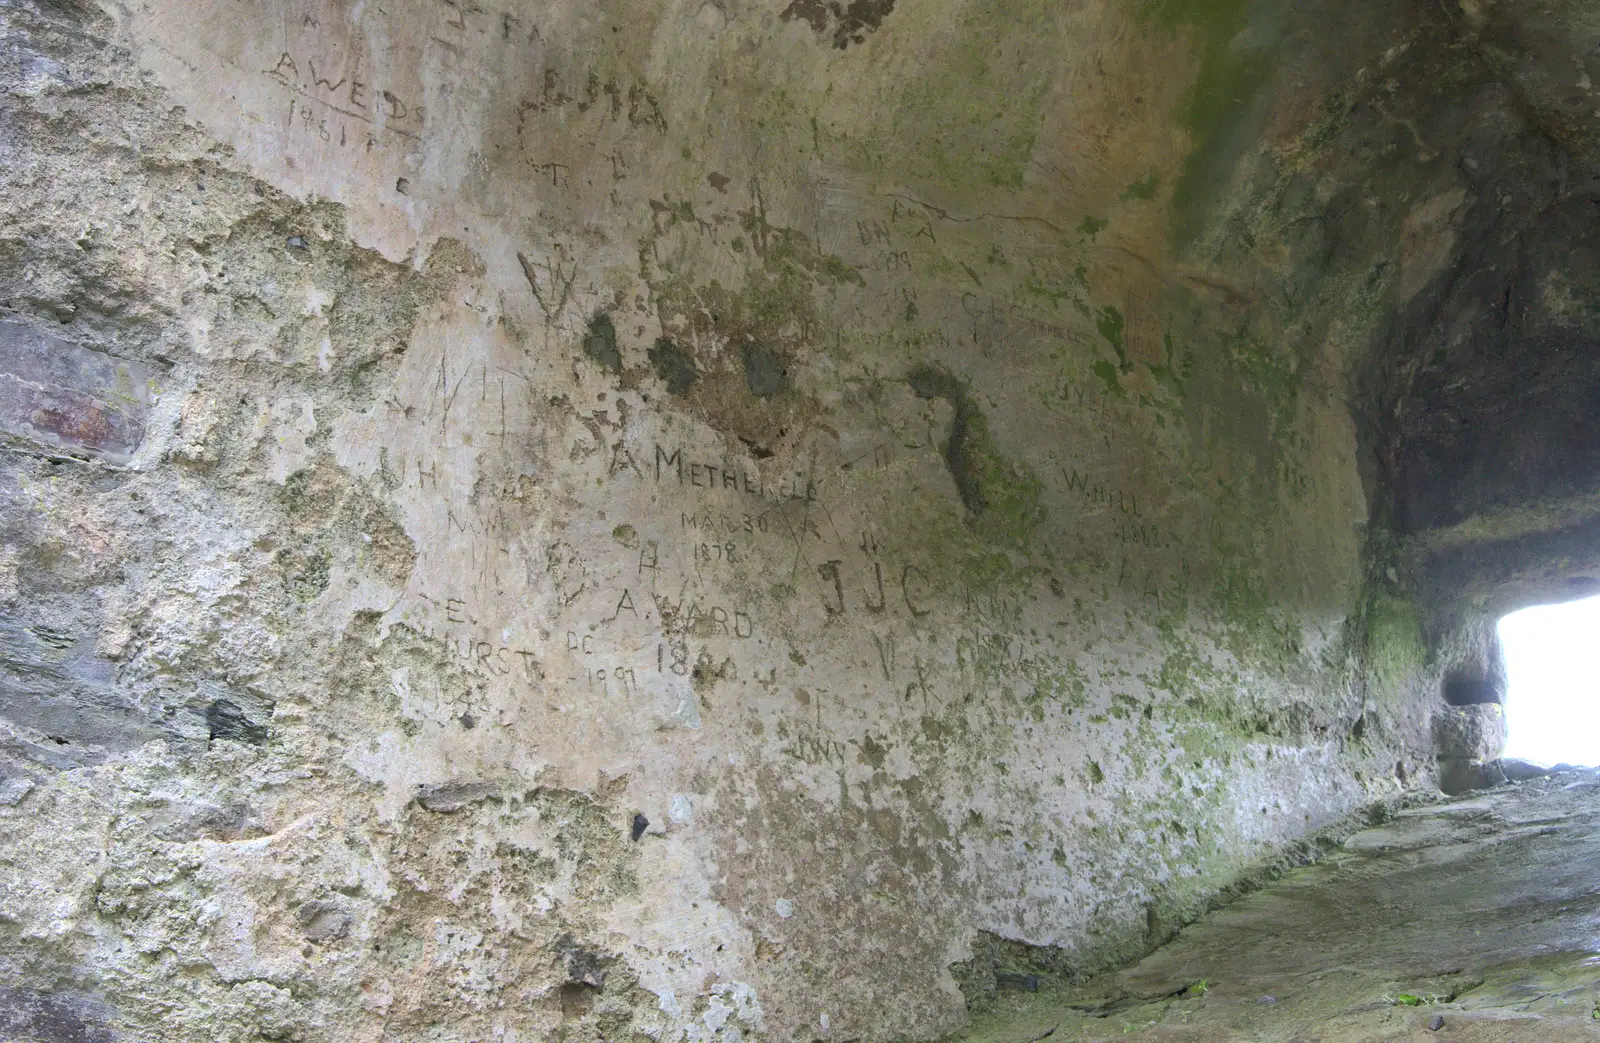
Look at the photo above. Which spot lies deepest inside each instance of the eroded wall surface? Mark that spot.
(680, 520)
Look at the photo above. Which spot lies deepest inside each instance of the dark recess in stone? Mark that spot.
(757, 450)
(226, 720)
(582, 966)
(673, 365)
(1470, 691)
(600, 343)
(640, 824)
(1487, 392)
(931, 382)
(847, 24)
(764, 372)
(1014, 980)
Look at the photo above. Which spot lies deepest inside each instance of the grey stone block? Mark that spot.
(1460, 774)
(71, 398)
(1517, 770)
(450, 797)
(1476, 732)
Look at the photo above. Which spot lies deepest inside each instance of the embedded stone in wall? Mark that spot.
(63, 396)
(1476, 732)
(56, 1018)
(1462, 775)
(1469, 739)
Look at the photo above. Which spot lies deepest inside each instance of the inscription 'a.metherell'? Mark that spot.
(730, 478)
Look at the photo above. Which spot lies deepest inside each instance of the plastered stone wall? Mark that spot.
(687, 521)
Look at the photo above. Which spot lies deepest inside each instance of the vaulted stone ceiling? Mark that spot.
(715, 520)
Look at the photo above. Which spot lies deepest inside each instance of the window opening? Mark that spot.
(1553, 682)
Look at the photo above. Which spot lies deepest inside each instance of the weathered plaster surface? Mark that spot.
(677, 521)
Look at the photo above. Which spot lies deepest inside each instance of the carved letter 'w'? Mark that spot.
(558, 286)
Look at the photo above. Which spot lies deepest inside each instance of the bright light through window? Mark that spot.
(1553, 669)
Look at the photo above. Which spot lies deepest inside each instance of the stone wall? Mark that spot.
(681, 520)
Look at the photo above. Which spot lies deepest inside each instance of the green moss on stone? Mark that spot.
(1270, 371)
(972, 129)
(1395, 649)
(1218, 102)
(1112, 327)
(1172, 376)
(1004, 501)
(1108, 376)
(1256, 632)
(1144, 188)
(600, 343)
